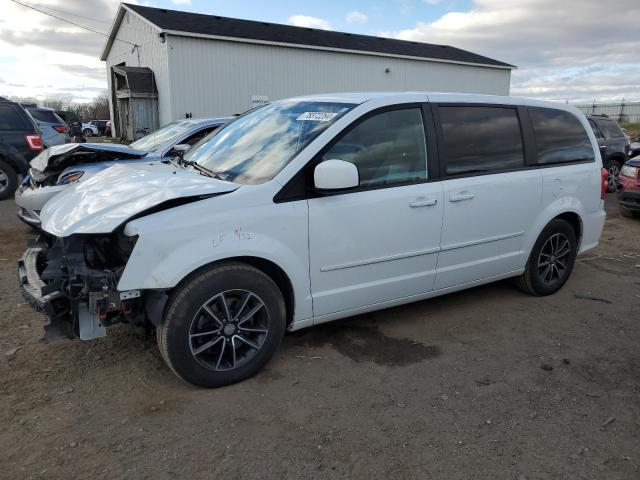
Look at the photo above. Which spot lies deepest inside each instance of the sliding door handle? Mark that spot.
(459, 197)
(423, 202)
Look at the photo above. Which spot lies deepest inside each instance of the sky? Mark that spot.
(565, 50)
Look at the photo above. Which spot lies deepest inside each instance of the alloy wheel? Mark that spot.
(612, 177)
(4, 181)
(228, 330)
(554, 258)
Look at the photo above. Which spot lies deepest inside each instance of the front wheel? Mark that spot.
(87, 132)
(8, 180)
(551, 260)
(223, 325)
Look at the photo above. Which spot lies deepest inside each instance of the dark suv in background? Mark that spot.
(614, 146)
(20, 141)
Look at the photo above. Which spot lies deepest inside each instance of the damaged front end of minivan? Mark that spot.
(73, 281)
(71, 272)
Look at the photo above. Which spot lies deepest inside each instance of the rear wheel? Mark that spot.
(8, 180)
(223, 325)
(613, 168)
(551, 260)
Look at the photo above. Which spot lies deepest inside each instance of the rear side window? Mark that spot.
(593, 126)
(196, 137)
(12, 119)
(560, 137)
(388, 148)
(481, 139)
(611, 129)
(45, 115)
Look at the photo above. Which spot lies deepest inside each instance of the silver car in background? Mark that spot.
(59, 167)
(54, 130)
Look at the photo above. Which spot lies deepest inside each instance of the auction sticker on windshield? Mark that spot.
(317, 116)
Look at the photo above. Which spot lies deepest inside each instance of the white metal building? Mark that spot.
(164, 64)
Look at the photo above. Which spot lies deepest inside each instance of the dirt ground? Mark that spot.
(486, 384)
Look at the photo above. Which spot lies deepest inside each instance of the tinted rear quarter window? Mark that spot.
(481, 139)
(13, 119)
(560, 137)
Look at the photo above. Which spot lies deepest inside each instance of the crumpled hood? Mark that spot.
(56, 158)
(113, 196)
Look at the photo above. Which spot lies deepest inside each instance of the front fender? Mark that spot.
(167, 252)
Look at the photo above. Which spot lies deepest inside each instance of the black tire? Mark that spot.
(627, 213)
(87, 132)
(613, 167)
(199, 303)
(535, 276)
(8, 180)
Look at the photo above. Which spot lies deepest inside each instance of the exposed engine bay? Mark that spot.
(73, 281)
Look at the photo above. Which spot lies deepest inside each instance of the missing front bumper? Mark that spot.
(46, 300)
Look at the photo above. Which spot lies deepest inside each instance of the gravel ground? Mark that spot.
(486, 384)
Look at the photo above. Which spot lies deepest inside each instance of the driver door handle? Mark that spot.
(423, 202)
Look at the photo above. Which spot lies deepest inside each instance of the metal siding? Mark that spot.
(153, 54)
(213, 77)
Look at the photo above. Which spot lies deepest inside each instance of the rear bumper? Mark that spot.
(592, 227)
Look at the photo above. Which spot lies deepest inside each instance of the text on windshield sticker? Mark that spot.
(317, 116)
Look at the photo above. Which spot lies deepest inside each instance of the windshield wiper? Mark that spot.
(202, 170)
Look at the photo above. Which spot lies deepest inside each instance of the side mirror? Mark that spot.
(335, 175)
(180, 149)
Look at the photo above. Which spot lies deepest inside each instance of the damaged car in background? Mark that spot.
(266, 225)
(58, 167)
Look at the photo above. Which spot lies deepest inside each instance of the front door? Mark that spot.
(379, 242)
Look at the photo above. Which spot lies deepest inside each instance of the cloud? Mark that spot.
(94, 73)
(309, 22)
(181, 2)
(549, 41)
(356, 17)
(36, 46)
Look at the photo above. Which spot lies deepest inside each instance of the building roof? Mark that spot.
(139, 80)
(176, 22)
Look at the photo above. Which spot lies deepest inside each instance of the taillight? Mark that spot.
(603, 186)
(60, 128)
(34, 141)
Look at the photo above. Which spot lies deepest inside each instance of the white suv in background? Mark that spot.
(316, 208)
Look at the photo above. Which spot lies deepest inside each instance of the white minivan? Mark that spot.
(316, 208)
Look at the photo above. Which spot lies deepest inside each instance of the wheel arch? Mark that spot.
(569, 209)
(618, 157)
(268, 267)
(573, 219)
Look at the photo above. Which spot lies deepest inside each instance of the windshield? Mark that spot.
(257, 145)
(168, 132)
